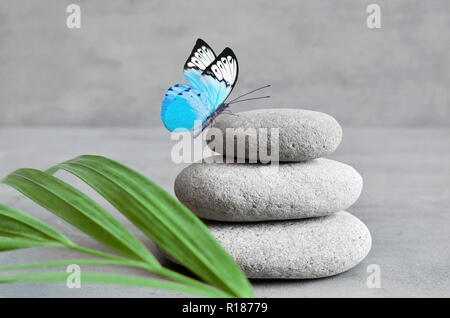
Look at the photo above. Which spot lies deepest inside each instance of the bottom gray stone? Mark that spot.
(298, 249)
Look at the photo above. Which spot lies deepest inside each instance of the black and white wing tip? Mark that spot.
(224, 68)
(201, 56)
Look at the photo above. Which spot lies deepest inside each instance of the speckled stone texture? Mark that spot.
(300, 249)
(303, 134)
(253, 192)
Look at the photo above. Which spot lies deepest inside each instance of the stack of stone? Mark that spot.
(288, 224)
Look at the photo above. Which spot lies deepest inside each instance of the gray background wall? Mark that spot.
(317, 54)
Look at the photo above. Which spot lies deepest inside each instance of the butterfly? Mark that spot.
(212, 78)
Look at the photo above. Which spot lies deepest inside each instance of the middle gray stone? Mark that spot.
(254, 192)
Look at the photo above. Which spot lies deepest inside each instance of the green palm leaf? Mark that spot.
(9, 244)
(16, 224)
(79, 210)
(99, 278)
(157, 214)
(162, 218)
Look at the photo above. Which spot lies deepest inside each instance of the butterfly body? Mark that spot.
(193, 107)
(213, 116)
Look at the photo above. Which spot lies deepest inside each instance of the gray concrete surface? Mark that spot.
(317, 54)
(405, 204)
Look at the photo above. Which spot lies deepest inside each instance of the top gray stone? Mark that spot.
(303, 134)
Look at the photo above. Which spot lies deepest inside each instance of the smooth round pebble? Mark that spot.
(254, 192)
(300, 249)
(303, 134)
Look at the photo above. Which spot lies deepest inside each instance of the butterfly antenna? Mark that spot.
(243, 100)
(229, 112)
(255, 90)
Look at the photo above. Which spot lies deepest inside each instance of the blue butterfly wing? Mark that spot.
(184, 108)
(219, 78)
(201, 57)
(212, 78)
